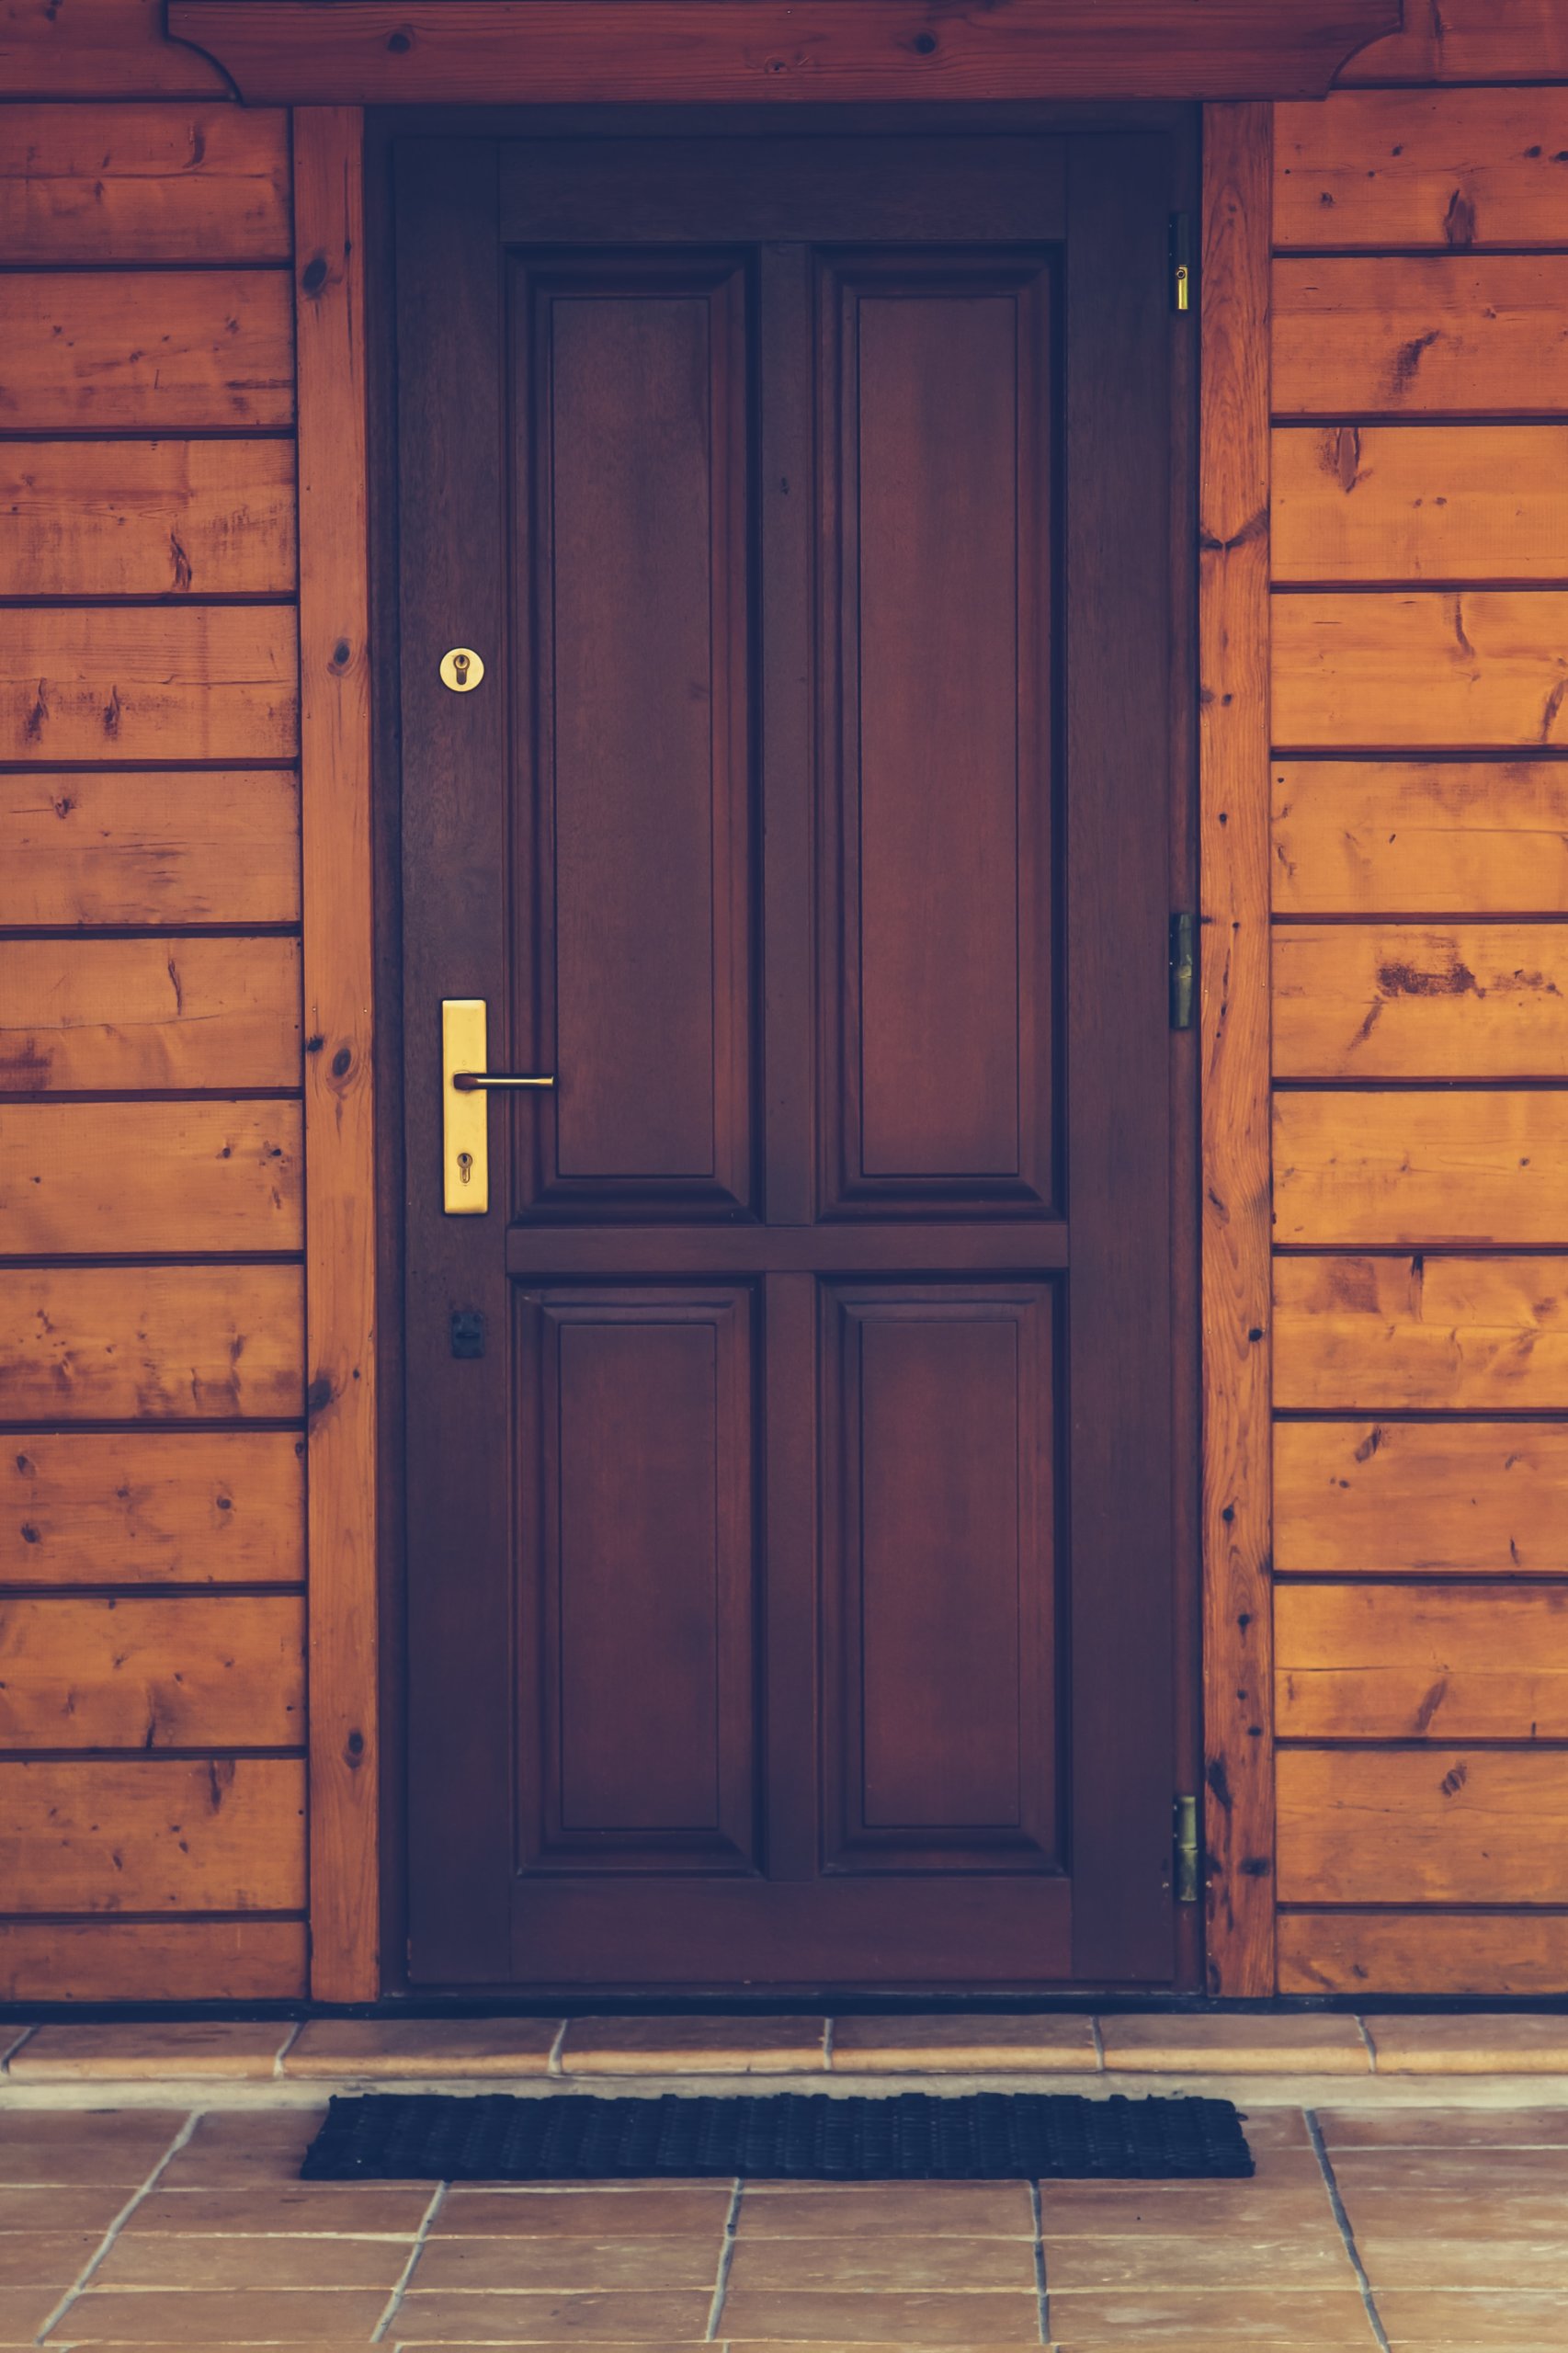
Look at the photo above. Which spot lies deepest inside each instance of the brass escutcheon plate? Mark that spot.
(461, 669)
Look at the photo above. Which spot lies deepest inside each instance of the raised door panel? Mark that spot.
(638, 1567)
(936, 894)
(939, 1607)
(632, 486)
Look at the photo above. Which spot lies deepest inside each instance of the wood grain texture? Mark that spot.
(160, 1344)
(1444, 1826)
(1234, 852)
(1409, 503)
(1486, 668)
(97, 48)
(1447, 1334)
(168, 352)
(383, 51)
(339, 963)
(1437, 838)
(123, 1013)
(1469, 40)
(1441, 1662)
(138, 847)
(1423, 1952)
(85, 1179)
(1406, 168)
(154, 1961)
(1421, 1499)
(146, 519)
(220, 1835)
(1420, 334)
(143, 183)
(1421, 1000)
(96, 684)
(150, 1673)
(1430, 1170)
(154, 1507)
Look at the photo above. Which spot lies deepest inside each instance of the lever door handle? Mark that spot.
(465, 1115)
(468, 1082)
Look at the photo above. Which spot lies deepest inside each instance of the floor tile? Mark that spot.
(583, 2213)
(1218, 2259)
(46, 2258)
(1476, 2320)
(570, 2265)
(133, 2053)
(1522, 2044)
(232, 2150)
(949, 2266)
(89, 2206)
(971, 2045)
(827, 2210)
(1125, 2209)
(1455, 2128)
(1000, 2318)
(1474, 2261)
(1435, 2216)
(1529, 2173)
(660, 2316)
(82, 2147)
(1310, 2320)
(1275, 2128)
(1307, 2045)
(693, 2046)
(219, 2317)
(358, 2209)
(23, 2311)
(210, 2260)
(337, 2048)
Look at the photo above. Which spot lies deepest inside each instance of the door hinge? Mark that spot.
(1182, 272)
(1184, 968)
(1189, 1865)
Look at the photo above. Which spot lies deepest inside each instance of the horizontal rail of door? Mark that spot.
(851, 1249)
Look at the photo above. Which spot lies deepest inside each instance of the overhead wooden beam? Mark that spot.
(386, 52)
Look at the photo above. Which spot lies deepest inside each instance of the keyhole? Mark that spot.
(465, 1166)
(460, 664)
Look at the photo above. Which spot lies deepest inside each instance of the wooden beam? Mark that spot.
(340, 1267)
(385, 52)
(1235, 861)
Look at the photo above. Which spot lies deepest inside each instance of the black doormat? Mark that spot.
(783, 2136)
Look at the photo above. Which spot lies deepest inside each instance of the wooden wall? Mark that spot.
(1420, 1012)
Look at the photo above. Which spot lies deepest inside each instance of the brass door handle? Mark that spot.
(468, 1082)
(465, 1115)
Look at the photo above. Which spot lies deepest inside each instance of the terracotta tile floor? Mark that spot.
(1442, 2229)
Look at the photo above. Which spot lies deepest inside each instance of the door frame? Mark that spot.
(382, 129)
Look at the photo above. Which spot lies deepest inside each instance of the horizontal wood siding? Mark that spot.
(151, 1051)
(1420, 1000)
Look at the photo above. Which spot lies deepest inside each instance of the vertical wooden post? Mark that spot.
(340, 1260)
(1235, 861)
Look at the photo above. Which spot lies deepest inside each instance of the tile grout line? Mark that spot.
(25, 2036)
(284, 2048)
(726, 2256)
(400, 2285)
(1041, 2298)
(1099, 2044)
(1371, 2046)
(828, 2026)
(1314, 2133)
(90, 2268)
(555, 2064)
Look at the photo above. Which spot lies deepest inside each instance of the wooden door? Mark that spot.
(790, 1578)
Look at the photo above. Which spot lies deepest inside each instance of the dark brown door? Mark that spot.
(790, 1577)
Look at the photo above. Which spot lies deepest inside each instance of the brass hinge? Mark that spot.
(1182, 273)
(1189, 1863)
(1184, 968)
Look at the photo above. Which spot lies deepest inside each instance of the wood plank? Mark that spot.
(150, 1672)
(201, 683)
(1233, 861)
(135, 846)
(218, 1835)
(153, 1961)
(100, 49)
(1441, 1170)
(1421, 335)
(1447, 1334)
(1483, 667)
(500, 51)
(154, 1343)
(1444, 1662)
(1441, 1826)
(1421, 1499)
(1470, 40)
(154, 1507)
(120, 1014)
(1400, 503)
(1420, 836)
(1407, 168)
(1493, 1953)
(146, 519)
(83, 1179)
(166, 352)
(145, 183)
(340, 949)
(1421, 1000)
